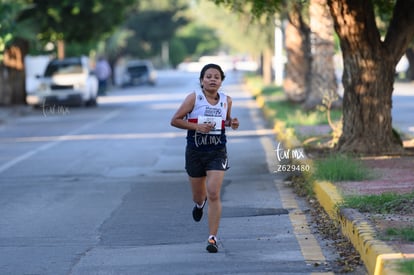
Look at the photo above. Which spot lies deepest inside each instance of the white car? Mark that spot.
(67, 81)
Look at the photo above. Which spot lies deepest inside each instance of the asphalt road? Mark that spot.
(403, 108)
(103, 191)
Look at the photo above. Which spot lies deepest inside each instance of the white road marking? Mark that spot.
(49, 145)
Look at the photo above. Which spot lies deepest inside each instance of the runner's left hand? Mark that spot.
(234, 123)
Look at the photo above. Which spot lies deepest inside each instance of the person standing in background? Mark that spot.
(205, 114)
(103, 72)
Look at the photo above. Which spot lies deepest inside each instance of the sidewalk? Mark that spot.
(395, 174)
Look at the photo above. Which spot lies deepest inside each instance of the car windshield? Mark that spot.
(138, 69)
(63, 68)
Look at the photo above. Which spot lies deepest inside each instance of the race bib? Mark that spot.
(215, 121)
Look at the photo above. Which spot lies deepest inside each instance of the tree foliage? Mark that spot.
(151, 28)
(256, 29)
(9, 10)
(370, 58)
(241, 30)
(199, 40)
(79, 21)
(369, 72)
(258, 7)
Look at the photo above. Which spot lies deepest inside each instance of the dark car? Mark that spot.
(139, 72)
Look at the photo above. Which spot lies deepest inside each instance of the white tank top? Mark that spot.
(204, 112)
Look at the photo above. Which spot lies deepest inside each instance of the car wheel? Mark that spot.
(92, 102)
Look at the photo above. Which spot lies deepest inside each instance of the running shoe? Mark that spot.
(198, 212)
(212, 245)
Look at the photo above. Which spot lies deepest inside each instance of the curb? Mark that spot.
(378, 257)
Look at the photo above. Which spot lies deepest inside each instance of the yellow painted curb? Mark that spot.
(378, 257)
(328, 197)
(386, 263)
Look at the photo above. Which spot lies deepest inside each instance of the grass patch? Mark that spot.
(405, 234)
(386, 203)
(255, 84)
(294, 115)
(272, 90)
(406, 267)
(340, 168)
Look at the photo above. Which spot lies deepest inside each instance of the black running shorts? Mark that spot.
(198, 162)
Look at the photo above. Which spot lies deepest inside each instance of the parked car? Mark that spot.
(68, 81)
(139, 72)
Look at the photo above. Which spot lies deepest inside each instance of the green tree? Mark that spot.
(75, 21)
(369, 67)
(26, 23)
(298, 48)
(199, 40)
(151, 29)
(241, 31)
(383, 10)
(309, 45)
(9, 10)
(410, 57)
(322, 71)
(113, 47)
(12, 51)
(148, 28)
(178, 52)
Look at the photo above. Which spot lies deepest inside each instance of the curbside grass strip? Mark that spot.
(373, 253)
(378, 257)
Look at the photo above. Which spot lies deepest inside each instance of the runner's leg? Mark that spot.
(198, 188)
(214, 182)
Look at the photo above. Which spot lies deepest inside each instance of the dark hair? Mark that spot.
(209, 66)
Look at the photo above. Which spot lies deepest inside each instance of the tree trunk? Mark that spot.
(60, 49)
(410, 57)
(5, 89)
(298, 58)
(369, 67)
(322, 74)
(13, 77)
(267, 66)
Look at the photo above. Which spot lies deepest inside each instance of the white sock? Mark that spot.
(213, 237)
(201, 206)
